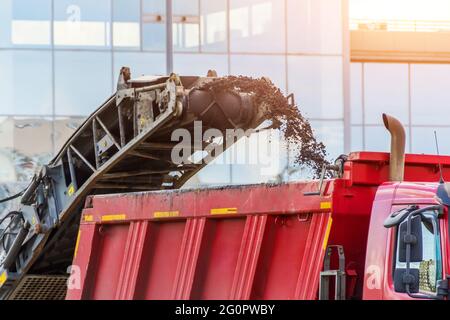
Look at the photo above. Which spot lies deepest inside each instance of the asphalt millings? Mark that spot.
(285, 116)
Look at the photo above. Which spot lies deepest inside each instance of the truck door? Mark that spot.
(426, 267)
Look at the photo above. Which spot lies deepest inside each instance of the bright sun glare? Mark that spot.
(435, 10)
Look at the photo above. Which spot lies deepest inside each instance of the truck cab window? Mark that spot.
(430, 268)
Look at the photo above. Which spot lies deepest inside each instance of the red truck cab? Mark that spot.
(384, 267)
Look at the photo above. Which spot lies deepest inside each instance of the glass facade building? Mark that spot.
(60, 59)
(417, 94)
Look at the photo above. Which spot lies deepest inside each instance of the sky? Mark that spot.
(400, 9)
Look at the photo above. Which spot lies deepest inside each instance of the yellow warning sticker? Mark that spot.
(327, 234)
(216, 211)
(3, 278)
(166, 214)
(77, 243)
(114, 217)
(325, 205)
(71, 190)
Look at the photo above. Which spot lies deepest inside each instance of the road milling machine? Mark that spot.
(125, 145)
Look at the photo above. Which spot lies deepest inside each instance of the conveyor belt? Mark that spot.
(125, 145)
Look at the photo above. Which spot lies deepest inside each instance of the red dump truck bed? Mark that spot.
(240, 242)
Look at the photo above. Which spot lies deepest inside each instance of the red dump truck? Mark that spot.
(379, 230)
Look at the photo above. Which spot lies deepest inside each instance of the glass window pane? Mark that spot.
(314, 26)
(257, 26)
(186, 25)
(140, 63)
(423, 140)
(212, 174)
(331, 133)
(215, 173)
(213, 23)
(317, 84)
(199, 64)
(251, 174)
(250, 160)
(186, 36)
(126, 25)
(258, 66)
(22, 27)
(83, 81)
(430, 267)
(154, 6)
(183, 7)
(82, 23)
(33, 129)
(26, 85)
(357, 138)
(19, 157)
(64, 128)
(356, 93)
(126, 10)
(153, 28)
(8, 189)
(154, 36)
(378, 139)
(430, 96)
(7, 165)
(6, 18)
(258, 159)
(386, 91)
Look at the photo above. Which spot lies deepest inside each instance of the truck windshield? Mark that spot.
(430, 268)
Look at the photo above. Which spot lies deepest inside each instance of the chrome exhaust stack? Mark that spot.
(397, 153)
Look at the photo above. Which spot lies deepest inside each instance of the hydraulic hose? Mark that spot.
(12, 197)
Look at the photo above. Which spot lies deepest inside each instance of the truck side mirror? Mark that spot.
(418, 231)
(414, 238)
(401, 279)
